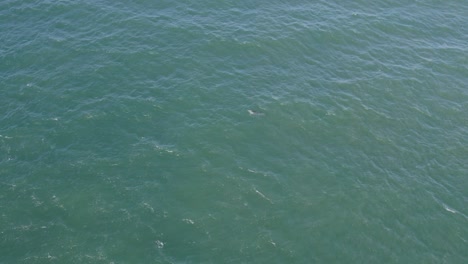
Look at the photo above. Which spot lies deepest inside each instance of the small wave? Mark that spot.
(453, 211)
(262, 195)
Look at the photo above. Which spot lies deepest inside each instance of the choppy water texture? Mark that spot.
(126, 135)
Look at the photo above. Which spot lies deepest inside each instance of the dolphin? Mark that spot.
(252, 112)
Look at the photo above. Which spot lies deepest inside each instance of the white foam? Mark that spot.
(188, 221)
(159, 244)
(148, 206)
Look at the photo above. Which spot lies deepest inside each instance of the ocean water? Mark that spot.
(233, 131)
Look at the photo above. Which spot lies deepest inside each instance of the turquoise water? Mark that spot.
(233, 131)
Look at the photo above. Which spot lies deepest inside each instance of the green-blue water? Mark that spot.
(233, 131)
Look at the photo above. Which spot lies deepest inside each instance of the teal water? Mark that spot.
(126, 135)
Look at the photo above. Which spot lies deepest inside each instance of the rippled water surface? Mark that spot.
(233, 131)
